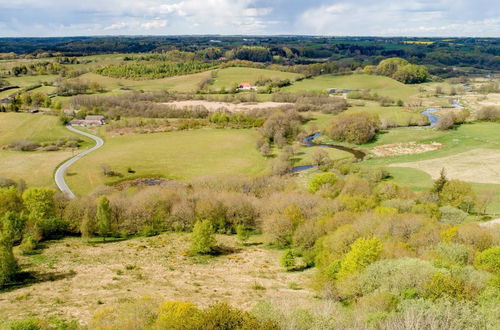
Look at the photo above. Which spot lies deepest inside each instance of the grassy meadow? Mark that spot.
(228, 77)
(176, 155)
(384, 86)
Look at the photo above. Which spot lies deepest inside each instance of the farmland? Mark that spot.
(287, 205)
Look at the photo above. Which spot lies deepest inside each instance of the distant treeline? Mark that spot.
(439, 53)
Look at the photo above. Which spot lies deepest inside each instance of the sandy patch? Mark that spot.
(408, 148)
(477, 101)
(77, 278)
(491, 224)
(214, 106)
(477, 165)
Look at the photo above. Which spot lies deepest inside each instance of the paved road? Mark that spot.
(61, 170)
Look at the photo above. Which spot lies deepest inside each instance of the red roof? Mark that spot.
(245, 84)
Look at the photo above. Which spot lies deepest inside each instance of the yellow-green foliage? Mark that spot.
(202, 238)
(442, 285)
(177, 315)
(323, 180)
(363, 252)
(489, 260)
(39, 202)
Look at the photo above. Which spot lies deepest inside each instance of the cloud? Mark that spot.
(325, 17)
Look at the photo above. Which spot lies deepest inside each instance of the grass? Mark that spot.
(228, 77)
(34, 127)
(84, 276)
(179, 155)
(384, 86)
(303, 155)
(27, 81)
(393, 116)
(36, 168)
(186, 83)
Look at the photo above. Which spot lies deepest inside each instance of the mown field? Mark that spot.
(34, 127)
(36, 168)
(75, 279)
(228, 77)
(384, 86)
(180, 155)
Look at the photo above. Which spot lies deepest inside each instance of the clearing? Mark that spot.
(178, 154)
(408, 148)
(72, 278)
(384, 86)
(228, 77)
(477, 165)
(215, 106)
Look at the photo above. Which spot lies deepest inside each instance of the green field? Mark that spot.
(27, 81)
(382, 85)
(228, 77)
(33, 127)
(393, 116)
(36, 168)
(179, 155)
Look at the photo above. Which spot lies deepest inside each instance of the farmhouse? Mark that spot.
(246, 86)
(88, 121)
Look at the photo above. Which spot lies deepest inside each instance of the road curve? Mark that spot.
(61, 170)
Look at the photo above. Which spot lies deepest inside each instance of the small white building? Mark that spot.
(88, 121)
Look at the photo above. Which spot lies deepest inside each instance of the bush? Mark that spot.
(355, 128)
(445, 121)
(363, 252)
(450, 254)
(24, 145)
(452, 215)
(397, 276)
(178, 315)
(323, 180)
(489, 260)
(202, 238)
(443, 285)
(490, 113)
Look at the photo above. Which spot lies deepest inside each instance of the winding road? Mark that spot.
(61, 170)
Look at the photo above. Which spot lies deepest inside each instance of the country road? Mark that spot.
(61, 170)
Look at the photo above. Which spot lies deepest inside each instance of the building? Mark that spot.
(88, 121)
(246, 86)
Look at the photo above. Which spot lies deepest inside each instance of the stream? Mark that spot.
(309, 142)
(433, 119)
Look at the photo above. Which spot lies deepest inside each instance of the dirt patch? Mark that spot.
(408, 148)
(477, 165)
(215, 106)
(78, 278)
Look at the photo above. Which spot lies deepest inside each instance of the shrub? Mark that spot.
(489, 113)
(449, 254)
(288, 260)
(442, 285)
(363, 252)
(489, 260)
(445, 121)
(39, 202)
(452, 215)
(402, 205)
(243, 233)
(223, 316)
(323, 180)
(397, 276)
(202, 238)
(178, 315)
(10, 200)
(24, 145)
(355, 128)
(458, 194)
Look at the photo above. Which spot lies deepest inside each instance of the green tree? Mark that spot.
(319, 181)
(39, 202)
(440, 182)
(459, 194)
(202, 238)
(10, 200)
(364, 251)
(489, 260)
(8, 264)
(103, 217)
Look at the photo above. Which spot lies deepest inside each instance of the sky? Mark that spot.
(419, 18)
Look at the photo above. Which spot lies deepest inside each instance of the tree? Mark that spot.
(39, 202)
(364, 251)
(8, 264)
(459, 194)
(355, 128)
(327, 179)
(10, 200)
(103, 217)
(202, 238)
(440, 182)
(489, 260)
(445, 122)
